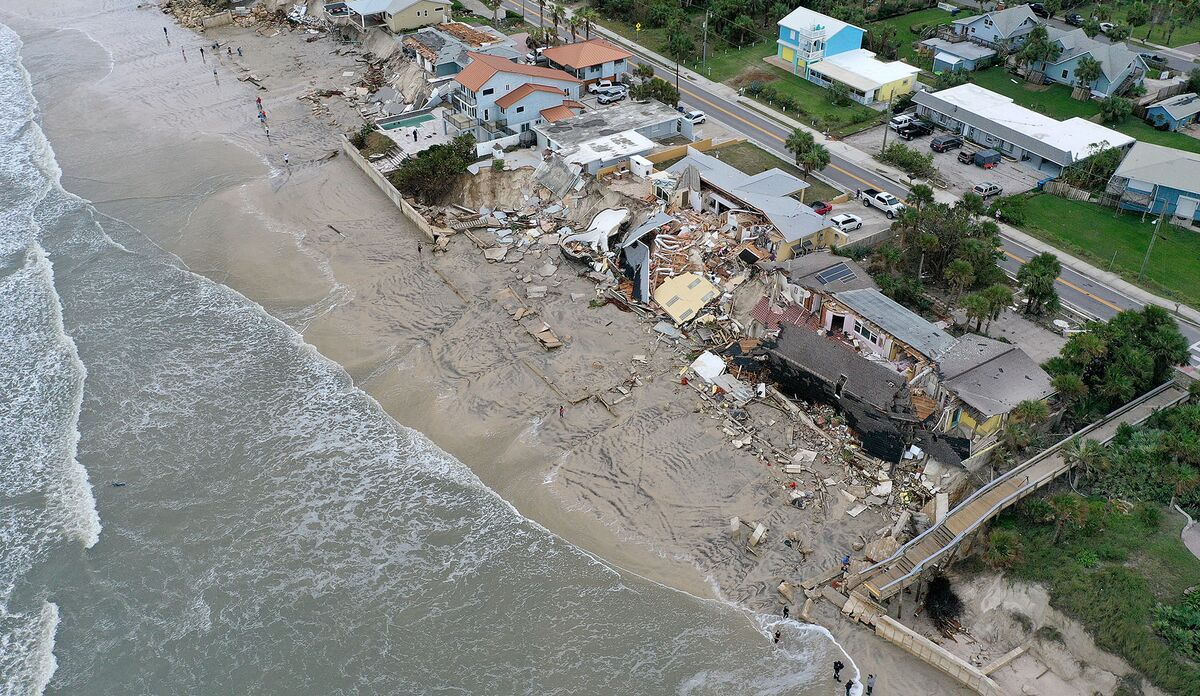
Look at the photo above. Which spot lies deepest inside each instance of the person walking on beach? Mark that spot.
(849, 686)
(837, 670)
(777, 636)
(216, 77)
(258, 103)
(202, 55)
(268, 134)
(785, 611)
(166, 36)
(286, 159)
(562, 413)
(184, 52)
(229, 50)
(870, 684)
(239, 51)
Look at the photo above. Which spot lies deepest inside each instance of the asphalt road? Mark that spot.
(1084, 295)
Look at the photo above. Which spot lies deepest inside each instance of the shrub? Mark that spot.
(768, 94)
(908, 159)
(1012, 209)
(497, 164)
(754, 89)
(839, 94)
(376, 143)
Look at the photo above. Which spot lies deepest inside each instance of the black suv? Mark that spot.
(1039, 9)
(914, 129)
(1075, 19)
(943, 143)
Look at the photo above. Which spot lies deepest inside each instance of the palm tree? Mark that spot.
(798, 143)
(1004, 549)
(541, 13)
(571, 25)
(492, 5)
(1030, 412)
(816, 159)
(998, 296)
(1068, 508)
(1070, 387)
(959, 274)
(977, 308)
(1038, 48)
(1087, 71)
(1085, 458)
(587, 15)
(557, 12)
(920, 195)
(889, 256)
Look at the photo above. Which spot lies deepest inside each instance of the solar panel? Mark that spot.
(838, 273)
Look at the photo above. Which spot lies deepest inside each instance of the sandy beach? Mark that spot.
(164, 144)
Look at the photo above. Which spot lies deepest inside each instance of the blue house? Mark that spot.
(807, 37)
(963, 56)
(1121, 68)
(1174, 112)
(1155, 179)
(1005, 29)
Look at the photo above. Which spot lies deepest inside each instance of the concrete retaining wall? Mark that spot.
(219, 19)
(894, 632)
(390, 191)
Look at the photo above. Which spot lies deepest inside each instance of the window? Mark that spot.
(864, 332)
(488, 91)
(520, 109)
(1064, 74)
(485, 114)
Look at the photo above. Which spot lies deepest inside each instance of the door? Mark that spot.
(839, 324)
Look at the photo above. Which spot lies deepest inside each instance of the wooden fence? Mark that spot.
(1062, 190)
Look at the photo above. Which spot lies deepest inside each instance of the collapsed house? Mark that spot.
(900, 379)
(788, 227)
(443, 51)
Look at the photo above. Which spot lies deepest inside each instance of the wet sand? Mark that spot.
(650, 488)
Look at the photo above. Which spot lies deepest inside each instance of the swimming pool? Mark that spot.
(406, 122)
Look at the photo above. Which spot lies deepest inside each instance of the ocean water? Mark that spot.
(277, 532)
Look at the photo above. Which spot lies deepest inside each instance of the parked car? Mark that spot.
(846, 222)
(611, 97)
(901, 120)
(942, 143)
(986, 190)
(1039, 9)
(966, 157)
(696, 117)
(601, 85)
(1154, 60)
(820, 207)
(1075, 19)
(914, 129)
(1106, 27)
(874, 198)
(536, 57)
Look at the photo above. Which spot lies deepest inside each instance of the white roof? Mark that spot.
(804, 19)
(860, 69)
(946, 58)
(368, 7)
(1075, 136)
(609, 147)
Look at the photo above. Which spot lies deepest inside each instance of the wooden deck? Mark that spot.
(888, 577)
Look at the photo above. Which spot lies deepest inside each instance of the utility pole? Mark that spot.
(1153, 236)
(704, 47)
(886, 127)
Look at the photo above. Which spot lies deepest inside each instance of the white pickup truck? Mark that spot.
(889, 204)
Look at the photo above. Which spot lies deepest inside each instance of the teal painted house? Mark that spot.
(1156, 179)
(1121, 68)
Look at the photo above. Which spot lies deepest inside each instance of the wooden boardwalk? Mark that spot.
(893, 574)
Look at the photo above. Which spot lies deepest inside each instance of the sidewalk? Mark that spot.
(866, 161)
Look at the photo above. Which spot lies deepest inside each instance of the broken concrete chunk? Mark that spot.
(883, 490)
(881, 549)
(495, 253)
(665, 328)
(547, 270)
(856, 510)
(535, 291)
(857, 491)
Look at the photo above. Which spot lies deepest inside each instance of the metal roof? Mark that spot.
(963, 49)
(1180, 106)
(996, 386)
(898, 321)
(805, 20)
(1061, 142)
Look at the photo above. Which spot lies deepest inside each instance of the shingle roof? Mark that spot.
(483, 67)
(831, 360)
(808, 271)
(1114, 58)
(997, 385)
(524, 91)
(583, 54)
(898, 321)
(1006, 21)
(1180, 105)
(971, 351)
(1160, 165)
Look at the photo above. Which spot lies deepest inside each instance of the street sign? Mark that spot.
(637, 27)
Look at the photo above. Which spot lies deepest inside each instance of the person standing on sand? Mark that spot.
(418, 249)
(785, 611)
(184, 52)
(870, 684)
(849, 686)
(286, 159)
(166, 36)
(562, 413)
(216, 77)
(239, 51)
(837, 670)
(777, 635)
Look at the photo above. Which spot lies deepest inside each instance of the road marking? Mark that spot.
(1069, 284)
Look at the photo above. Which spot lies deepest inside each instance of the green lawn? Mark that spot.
(1103, 237)
(1109, 575)
(904, 23)
(1055, 101)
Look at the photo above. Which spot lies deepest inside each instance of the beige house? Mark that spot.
(399, 16)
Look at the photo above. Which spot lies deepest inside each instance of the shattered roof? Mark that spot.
(768, 192)
(997, 385)
(897, 320)
(652, 223)
(830, 360)
(685, 295)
